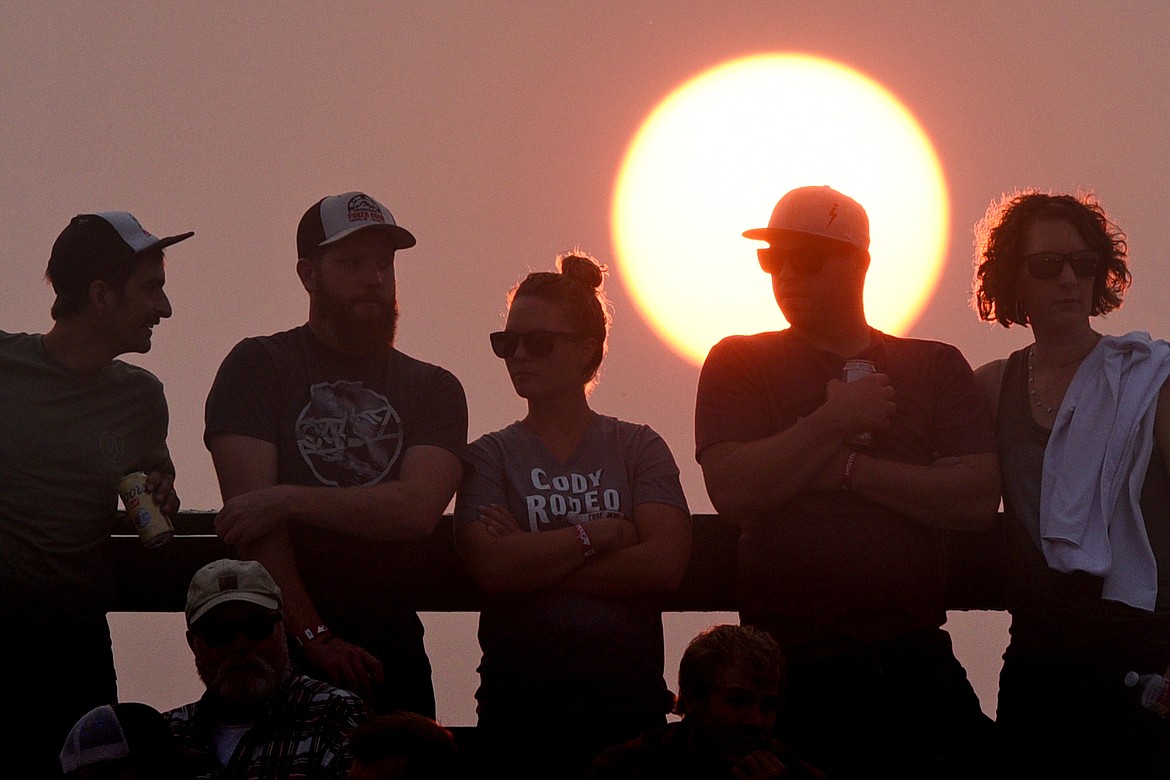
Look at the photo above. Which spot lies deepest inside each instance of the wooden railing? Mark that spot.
(428, 573)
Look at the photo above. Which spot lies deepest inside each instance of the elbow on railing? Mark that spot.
(429, 575)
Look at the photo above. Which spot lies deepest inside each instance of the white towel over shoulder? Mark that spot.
(1095, 465)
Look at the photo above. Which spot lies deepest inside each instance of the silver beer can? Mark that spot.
(853, 370)
(856, 369)
(154, 528)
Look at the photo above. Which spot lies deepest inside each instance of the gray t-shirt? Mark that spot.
(555, 652)
(68, 439)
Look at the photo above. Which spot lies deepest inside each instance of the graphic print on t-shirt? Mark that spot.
(112, 446)
(566, 499)
(348, 435)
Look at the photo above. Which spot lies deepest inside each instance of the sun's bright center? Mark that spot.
(713, 158)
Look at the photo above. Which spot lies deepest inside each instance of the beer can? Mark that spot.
(853, 370)
(154, 528)
(856, 369)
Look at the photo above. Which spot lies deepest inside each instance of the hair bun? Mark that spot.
(582, 267)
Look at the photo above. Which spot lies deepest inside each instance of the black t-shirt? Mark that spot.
(340, 421)
(828, 571)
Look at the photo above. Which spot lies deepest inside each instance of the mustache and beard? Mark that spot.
(247, 679)
(354, 324)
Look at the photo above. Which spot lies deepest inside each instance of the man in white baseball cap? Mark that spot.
(331, 447)
(843, 491)
(259, 717)
(816, 211)
(74, 420)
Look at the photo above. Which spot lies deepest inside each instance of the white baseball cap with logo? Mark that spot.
(336, 216)
(817, 211)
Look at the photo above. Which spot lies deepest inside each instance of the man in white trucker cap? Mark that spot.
(332, 447)
(73, 421)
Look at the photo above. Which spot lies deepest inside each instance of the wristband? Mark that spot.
(847, 474)
(586, 542)
(309, 634)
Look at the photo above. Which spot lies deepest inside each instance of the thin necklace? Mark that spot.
(1032, 377)
(1032, 384)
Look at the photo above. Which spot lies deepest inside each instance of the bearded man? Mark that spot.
(332, 448)
(258, 719)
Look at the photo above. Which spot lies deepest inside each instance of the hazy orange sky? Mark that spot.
(494, 132)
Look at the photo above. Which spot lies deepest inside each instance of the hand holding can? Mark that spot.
(154, 528)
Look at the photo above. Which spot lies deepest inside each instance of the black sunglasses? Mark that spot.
(803, 258)
(537, 343)
(220, 633)
(1048, 265)
(804, 262)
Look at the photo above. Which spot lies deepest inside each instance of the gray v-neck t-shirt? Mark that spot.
(555, 651)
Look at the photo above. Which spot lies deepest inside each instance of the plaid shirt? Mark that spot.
(301, 736)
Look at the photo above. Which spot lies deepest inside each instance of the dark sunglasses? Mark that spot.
(802, 261)
(1048, 265)
(220, 633)
(537, 343)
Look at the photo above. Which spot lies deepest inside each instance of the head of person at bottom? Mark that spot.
(1048, 259)
(730, 686)
(236, 631)
(817, 256)
(346, 246)
(402, 746)
(124, 741)
(555, 336)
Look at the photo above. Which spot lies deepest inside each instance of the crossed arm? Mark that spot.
(813, 455)
(646, 553)
(257, 512)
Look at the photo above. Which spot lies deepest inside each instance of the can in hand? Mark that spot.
(154, 528)
(856, 369)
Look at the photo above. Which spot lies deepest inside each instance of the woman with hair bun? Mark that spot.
(571, 522)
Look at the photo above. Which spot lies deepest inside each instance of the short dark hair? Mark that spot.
(999, 246)
(576, 286)
(721, 647)
(428, 748)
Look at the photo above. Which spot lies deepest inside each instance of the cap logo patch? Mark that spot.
(832, 215)
(229, 582)
(362, 208)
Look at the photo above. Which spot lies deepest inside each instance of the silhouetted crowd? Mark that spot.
(842, 454)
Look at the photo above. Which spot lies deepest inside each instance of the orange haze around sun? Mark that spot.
(713, 158)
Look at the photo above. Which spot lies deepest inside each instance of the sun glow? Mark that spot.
(713, 158)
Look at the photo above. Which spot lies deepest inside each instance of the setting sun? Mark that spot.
(713, 158)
